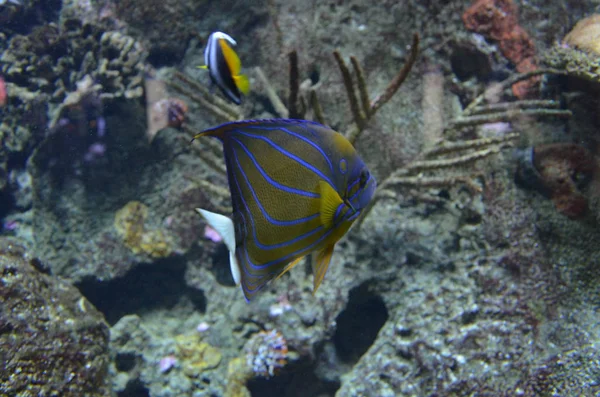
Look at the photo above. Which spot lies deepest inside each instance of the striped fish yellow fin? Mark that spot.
(289, 267)
(224, 226)
(232, 59)
(242, 83)
(330, 201)
(202, 67)
(320, 265)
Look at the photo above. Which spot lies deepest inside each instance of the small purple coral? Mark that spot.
(166, 363)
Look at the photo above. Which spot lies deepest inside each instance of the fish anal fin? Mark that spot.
(242, 83)
(320, 265)
(330, 201)
(225, 228)
(289, 266)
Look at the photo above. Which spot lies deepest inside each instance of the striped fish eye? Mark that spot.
(343, 166)
(364, 177)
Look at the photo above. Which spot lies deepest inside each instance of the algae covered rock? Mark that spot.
(579, 53)
(53, 341)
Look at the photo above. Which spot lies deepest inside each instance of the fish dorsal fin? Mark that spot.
(320, 265)
(289, 267)
(224, 226)
(232, 59)
(330, 201)
(242, 83)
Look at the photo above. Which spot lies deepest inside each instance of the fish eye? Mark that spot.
(364, 177)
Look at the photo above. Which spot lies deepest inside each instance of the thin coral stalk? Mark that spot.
(509, 83)
(395, 84)
(359, 116)
(217, 106)
(294, 85)
(362, 86)
(278, 105)
(508, 115)
(452, 147)
(316, 107)
(525, 104)
(428, 165)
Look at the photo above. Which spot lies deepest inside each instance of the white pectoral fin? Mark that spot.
(224, 226)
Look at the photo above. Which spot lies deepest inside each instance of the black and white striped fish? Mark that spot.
(225, 66)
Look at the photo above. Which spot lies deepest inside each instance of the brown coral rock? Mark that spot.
(561, 167)
(53, 342)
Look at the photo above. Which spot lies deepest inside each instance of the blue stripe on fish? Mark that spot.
(267, 247)
(271, 220)
(288, 154)
(289, 257)
(273, 182)
(302, 138)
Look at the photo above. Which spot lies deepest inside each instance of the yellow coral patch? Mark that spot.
(130, 223)
(195, 355)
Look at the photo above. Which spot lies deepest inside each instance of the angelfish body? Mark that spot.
(224, 66)
(296, 188)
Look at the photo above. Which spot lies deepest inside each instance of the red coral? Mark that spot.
(497, 20)
(491, 18)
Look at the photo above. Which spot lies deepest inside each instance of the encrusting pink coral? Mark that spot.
(497, 20)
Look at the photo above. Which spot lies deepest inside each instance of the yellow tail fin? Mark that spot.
(242, 83)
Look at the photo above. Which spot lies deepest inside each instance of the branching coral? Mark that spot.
(367, 109)
(449, 153)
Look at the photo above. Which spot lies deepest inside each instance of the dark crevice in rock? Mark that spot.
(6, 204)
(145, 288)
(134, 389)
(297, 379)
(22, 19)
(359, 323)
(220, 266)
(125, 362)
